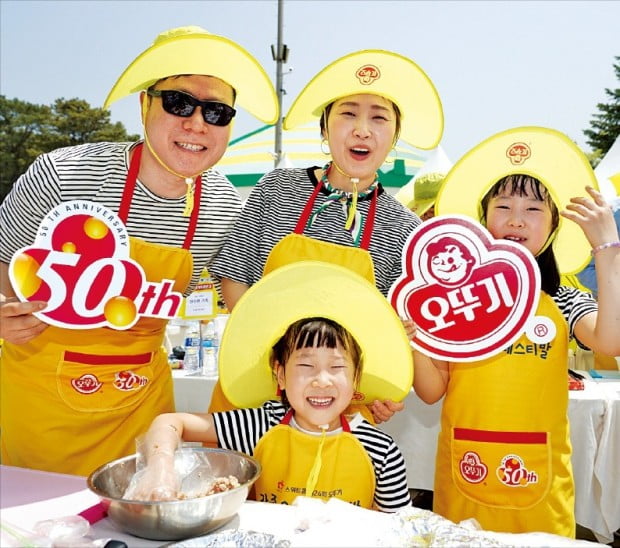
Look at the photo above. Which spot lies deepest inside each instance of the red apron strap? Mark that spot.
(130, 185)
(370, 221)
(287, 417)
(307, 211)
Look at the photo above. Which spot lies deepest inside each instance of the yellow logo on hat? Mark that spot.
(517, 153)
(368, 74)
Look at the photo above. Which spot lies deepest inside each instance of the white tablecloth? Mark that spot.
(308, 523)
(594, 415)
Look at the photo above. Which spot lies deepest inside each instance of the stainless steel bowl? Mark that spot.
(174, 520)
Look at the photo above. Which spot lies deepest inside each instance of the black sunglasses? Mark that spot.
(183, 104)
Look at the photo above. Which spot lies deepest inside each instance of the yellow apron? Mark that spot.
(73, 400)
(503, 455)
(288, 456)
(297, 247)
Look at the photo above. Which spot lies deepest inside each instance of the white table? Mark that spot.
(29, 496)
(594, 415)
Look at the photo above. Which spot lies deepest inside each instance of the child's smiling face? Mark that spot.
(319, 384)
(520, 218)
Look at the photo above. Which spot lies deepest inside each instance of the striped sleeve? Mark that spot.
(391, 491)
(32, 196)
(574, 304)
(240, 429)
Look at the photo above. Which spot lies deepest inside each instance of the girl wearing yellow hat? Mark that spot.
(339, 213)
(503, 453)
(311, 346)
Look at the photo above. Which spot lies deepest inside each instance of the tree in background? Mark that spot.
(605, 125)
(28, 130)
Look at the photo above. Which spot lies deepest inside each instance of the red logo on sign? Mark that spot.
(81, 266)
(469, 294)
(517, 153)
(86, 384)
(368, 74)
(472, 468)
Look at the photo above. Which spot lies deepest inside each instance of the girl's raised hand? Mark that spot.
(594, 216)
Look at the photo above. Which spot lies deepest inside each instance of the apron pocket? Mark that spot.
(501, 469)
(97, 383)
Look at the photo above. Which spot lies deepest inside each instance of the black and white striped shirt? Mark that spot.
(241, 429)
(574, 304)
(97, 172)
(273, 209)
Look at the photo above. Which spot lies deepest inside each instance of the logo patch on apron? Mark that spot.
(513, 473)
(127, 381)
(86, 384)
(472, 468)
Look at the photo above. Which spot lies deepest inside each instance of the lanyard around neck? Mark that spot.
(368, 227)
(130, 185)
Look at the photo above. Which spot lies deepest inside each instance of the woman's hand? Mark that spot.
(383, 411)
(18, 325)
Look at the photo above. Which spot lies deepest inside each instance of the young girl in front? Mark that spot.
(304, 441)
(503, 454)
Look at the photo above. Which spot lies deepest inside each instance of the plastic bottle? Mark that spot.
(191, 360)
(209, 351)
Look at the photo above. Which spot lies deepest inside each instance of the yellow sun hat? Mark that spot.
(382, 73)
(193, 50)
(307, 289)
(543, 153)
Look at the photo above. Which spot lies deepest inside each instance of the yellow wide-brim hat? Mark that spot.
(193, 50)
(307, 289)
(382, 73)
(543, 153)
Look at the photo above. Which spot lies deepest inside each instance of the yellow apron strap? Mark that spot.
(313, 477)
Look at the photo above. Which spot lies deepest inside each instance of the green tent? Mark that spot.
(250, 156)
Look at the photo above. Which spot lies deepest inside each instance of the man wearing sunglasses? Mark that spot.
(66, 401)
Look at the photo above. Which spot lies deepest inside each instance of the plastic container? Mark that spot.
(209, 350)
(191, 360)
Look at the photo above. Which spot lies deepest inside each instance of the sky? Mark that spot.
(495, 64)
